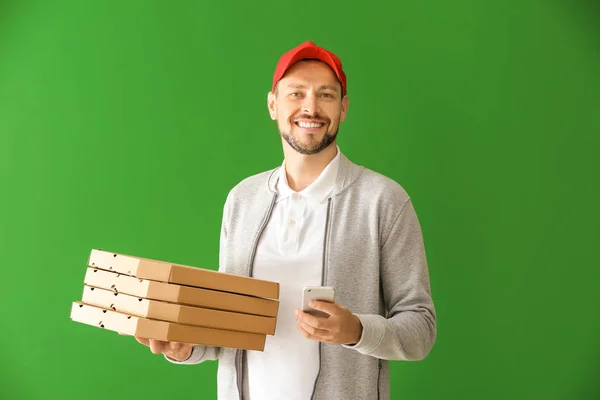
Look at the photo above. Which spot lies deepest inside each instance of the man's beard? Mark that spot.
(301, 148)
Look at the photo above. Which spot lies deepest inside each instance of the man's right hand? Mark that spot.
(174, 350)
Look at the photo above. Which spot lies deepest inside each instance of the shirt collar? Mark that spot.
(317, 191)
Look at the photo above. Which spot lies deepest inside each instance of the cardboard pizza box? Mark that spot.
(180, 294)
(181, 314)
(181, 274)
(166, 331)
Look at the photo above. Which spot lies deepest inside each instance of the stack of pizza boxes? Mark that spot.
(164, 301)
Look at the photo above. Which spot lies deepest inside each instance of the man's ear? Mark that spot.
(272, 105)
(344, 108)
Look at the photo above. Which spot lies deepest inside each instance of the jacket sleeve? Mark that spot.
(408, 332)
(201, 353)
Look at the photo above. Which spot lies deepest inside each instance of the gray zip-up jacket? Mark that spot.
(374, 256)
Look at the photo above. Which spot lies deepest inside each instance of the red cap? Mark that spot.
(309, 50)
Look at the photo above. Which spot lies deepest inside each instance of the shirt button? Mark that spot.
(297, 197)
(292, 222)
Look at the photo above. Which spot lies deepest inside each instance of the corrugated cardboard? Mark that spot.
(179, 294)
(166, 331)
(181, 274)
(187, 315)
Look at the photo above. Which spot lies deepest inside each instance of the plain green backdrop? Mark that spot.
(123, 124)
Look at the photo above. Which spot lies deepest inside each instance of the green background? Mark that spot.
(123, 124)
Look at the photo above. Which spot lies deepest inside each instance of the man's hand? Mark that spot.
(341, 327)
(174, 350)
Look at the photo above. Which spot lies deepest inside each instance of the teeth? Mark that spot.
(309, 125)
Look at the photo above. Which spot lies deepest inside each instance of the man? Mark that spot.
(320, 219)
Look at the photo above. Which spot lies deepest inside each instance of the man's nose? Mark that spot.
(310, 105)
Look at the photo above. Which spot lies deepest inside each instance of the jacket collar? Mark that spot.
(348, 173)
(318, 191)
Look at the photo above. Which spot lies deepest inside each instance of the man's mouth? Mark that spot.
(309, 124)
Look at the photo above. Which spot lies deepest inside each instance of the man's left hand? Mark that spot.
(341, 327)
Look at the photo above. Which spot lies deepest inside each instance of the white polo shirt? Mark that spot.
(290, 251)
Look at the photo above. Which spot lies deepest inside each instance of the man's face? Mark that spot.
(308, 106)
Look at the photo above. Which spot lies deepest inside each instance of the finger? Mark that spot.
(180, 346)
(315, 322)
(320, 333)
(326, 307)
(143, 341)
(157, 346)
(307, 335)
(175, 346)
(179, 351)
(304, 333)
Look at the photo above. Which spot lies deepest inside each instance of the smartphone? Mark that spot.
(322, 293)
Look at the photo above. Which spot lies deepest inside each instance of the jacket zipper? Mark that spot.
(239, 353)
(323, 283)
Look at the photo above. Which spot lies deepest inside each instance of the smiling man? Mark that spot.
(321, 220)
(308, 103)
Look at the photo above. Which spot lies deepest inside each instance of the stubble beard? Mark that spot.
(301, 148)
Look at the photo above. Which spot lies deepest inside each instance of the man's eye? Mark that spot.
(327, 95)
